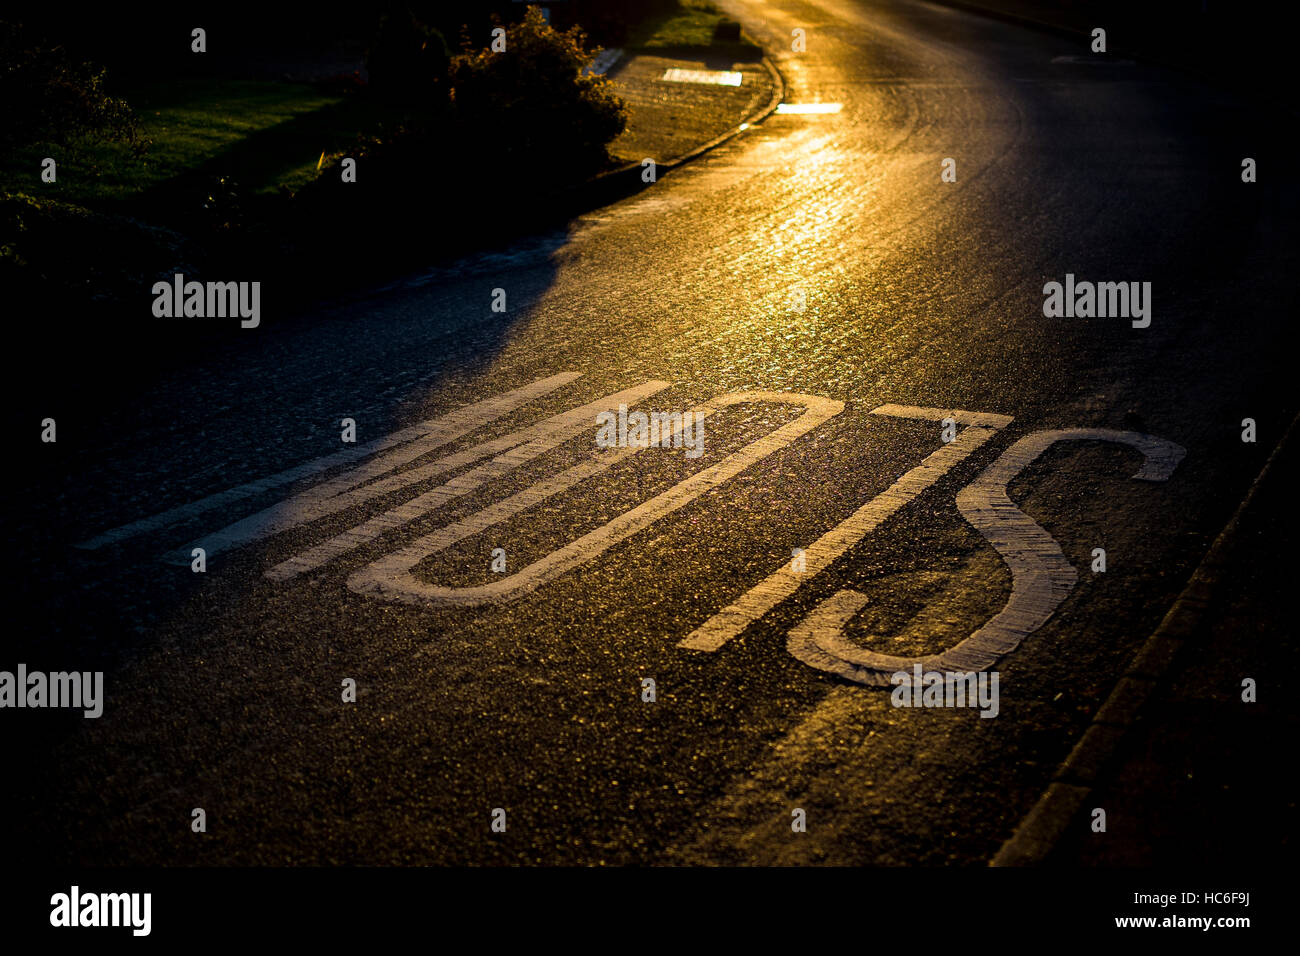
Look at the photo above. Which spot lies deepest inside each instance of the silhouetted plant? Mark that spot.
(532, 102)
(45, 96)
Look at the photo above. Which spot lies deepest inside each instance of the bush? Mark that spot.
(518, 119)
(47, 97)
(532, 103)
(72, 251)
(408, 60)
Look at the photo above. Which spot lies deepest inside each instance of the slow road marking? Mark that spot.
(424, 437)
(512, 450)
(768, 593)
(1041, 578)
(390, 577)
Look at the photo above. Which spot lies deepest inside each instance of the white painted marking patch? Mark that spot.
(803, 109)
(603, 61)
(715, 77)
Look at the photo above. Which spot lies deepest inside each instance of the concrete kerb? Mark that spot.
(626, 179)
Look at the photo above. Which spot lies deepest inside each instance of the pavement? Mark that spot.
(667, 119)
(831, 299)
(670, 119)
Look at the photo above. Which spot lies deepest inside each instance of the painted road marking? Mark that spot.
(391, 576)
(716, 77)
(1041, 578)
(409, 511)
(601, 63)
(425, 437)
(807, 109)
(337, 495)
(778, 586)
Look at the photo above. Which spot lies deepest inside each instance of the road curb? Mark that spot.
(762, 113)
(626, 180)
(564, 203)
(1046, 823)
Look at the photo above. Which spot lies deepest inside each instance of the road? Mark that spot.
(224, 688)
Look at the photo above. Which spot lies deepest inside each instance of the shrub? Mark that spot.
(47, 97)
(80, 253)
(532, 103)
(514, 115)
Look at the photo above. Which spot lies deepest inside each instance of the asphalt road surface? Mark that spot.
(523, 689)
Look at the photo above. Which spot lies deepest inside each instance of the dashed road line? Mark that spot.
(808, 109)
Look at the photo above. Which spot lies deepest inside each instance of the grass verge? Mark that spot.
(693, 25)
(266, 135)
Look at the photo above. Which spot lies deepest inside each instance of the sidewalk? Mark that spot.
(1200, 778)
(670, 119)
